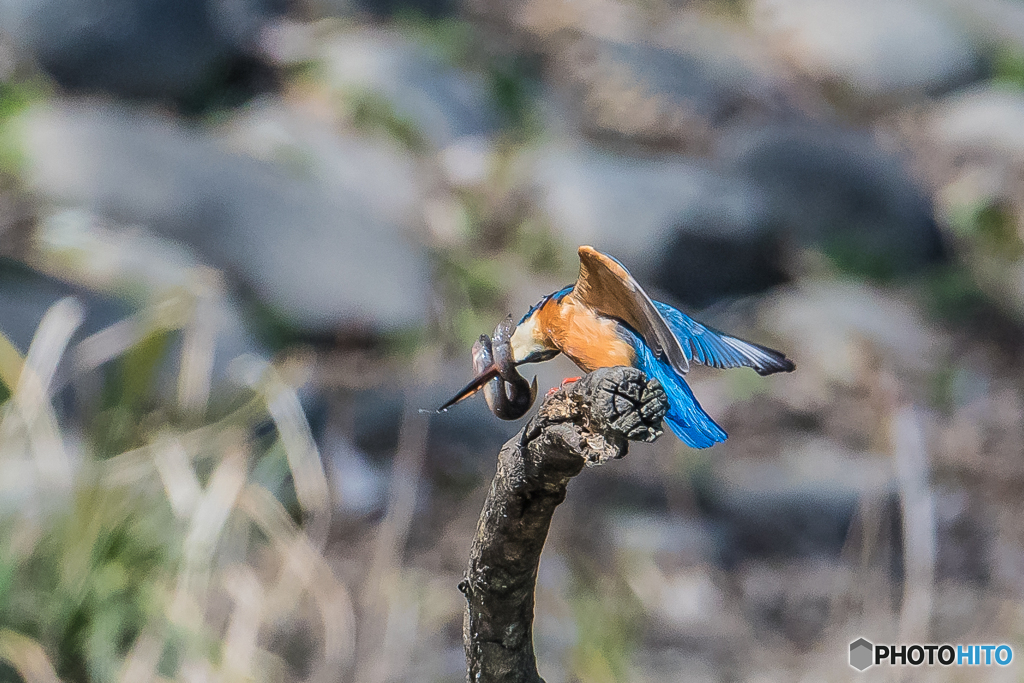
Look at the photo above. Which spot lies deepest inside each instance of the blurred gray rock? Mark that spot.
(675, 94)
(432, 9)
(673, 221)
(622, 204)
(442, 102)
(799, 504)
(877, 48)
(703, 233)
(778, 524)
(824, 323)
(973, 145)
(322, 238)
(982, 123)
(163, 49)
(713, 255)
(839, 189)
(990, 22)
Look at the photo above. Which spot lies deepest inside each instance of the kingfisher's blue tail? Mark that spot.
(685, 416)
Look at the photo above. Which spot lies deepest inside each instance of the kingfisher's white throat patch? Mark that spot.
(527, 339)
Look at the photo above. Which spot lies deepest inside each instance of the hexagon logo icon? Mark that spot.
(861, 654)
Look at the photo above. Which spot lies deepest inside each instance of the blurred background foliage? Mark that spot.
(244, 245)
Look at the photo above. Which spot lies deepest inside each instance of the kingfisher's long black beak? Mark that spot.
(478, 383)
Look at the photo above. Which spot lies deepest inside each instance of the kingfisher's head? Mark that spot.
(529, 344)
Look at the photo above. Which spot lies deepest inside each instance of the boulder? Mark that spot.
(878, 49)
(837, 189)
(325, 246)
(440, 101)
(178, 50)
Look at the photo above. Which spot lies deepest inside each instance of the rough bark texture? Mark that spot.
(587, 423)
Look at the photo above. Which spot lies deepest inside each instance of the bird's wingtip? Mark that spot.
(781, 364)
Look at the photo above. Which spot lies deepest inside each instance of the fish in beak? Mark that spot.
(508, 394)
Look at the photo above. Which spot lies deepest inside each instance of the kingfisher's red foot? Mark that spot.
(567, 380)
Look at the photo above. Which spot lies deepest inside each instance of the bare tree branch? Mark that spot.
(587, 423)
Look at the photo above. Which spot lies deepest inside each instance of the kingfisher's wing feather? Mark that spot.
(716, 349)
(685, 417)
(607, 287)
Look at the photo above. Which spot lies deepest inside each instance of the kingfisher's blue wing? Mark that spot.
(685, 417)
(710, 347)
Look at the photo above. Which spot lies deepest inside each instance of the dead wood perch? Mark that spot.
(587, 423)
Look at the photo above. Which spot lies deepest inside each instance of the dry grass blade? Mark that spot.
(919, 542)
(11, 362)
(239, 648)
(110, 342)
(32, 449)
(176, 473)
(302, 561)
(208, 520)
(197, 349)
(52, 337)
(27, 657)
(130, 467)
(30, 401)
(137, 464)
(408, 463)
(311, 487)
(381, 599)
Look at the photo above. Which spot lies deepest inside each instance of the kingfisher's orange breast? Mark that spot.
(588, 339)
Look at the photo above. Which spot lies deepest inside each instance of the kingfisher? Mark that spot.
(606, 319)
